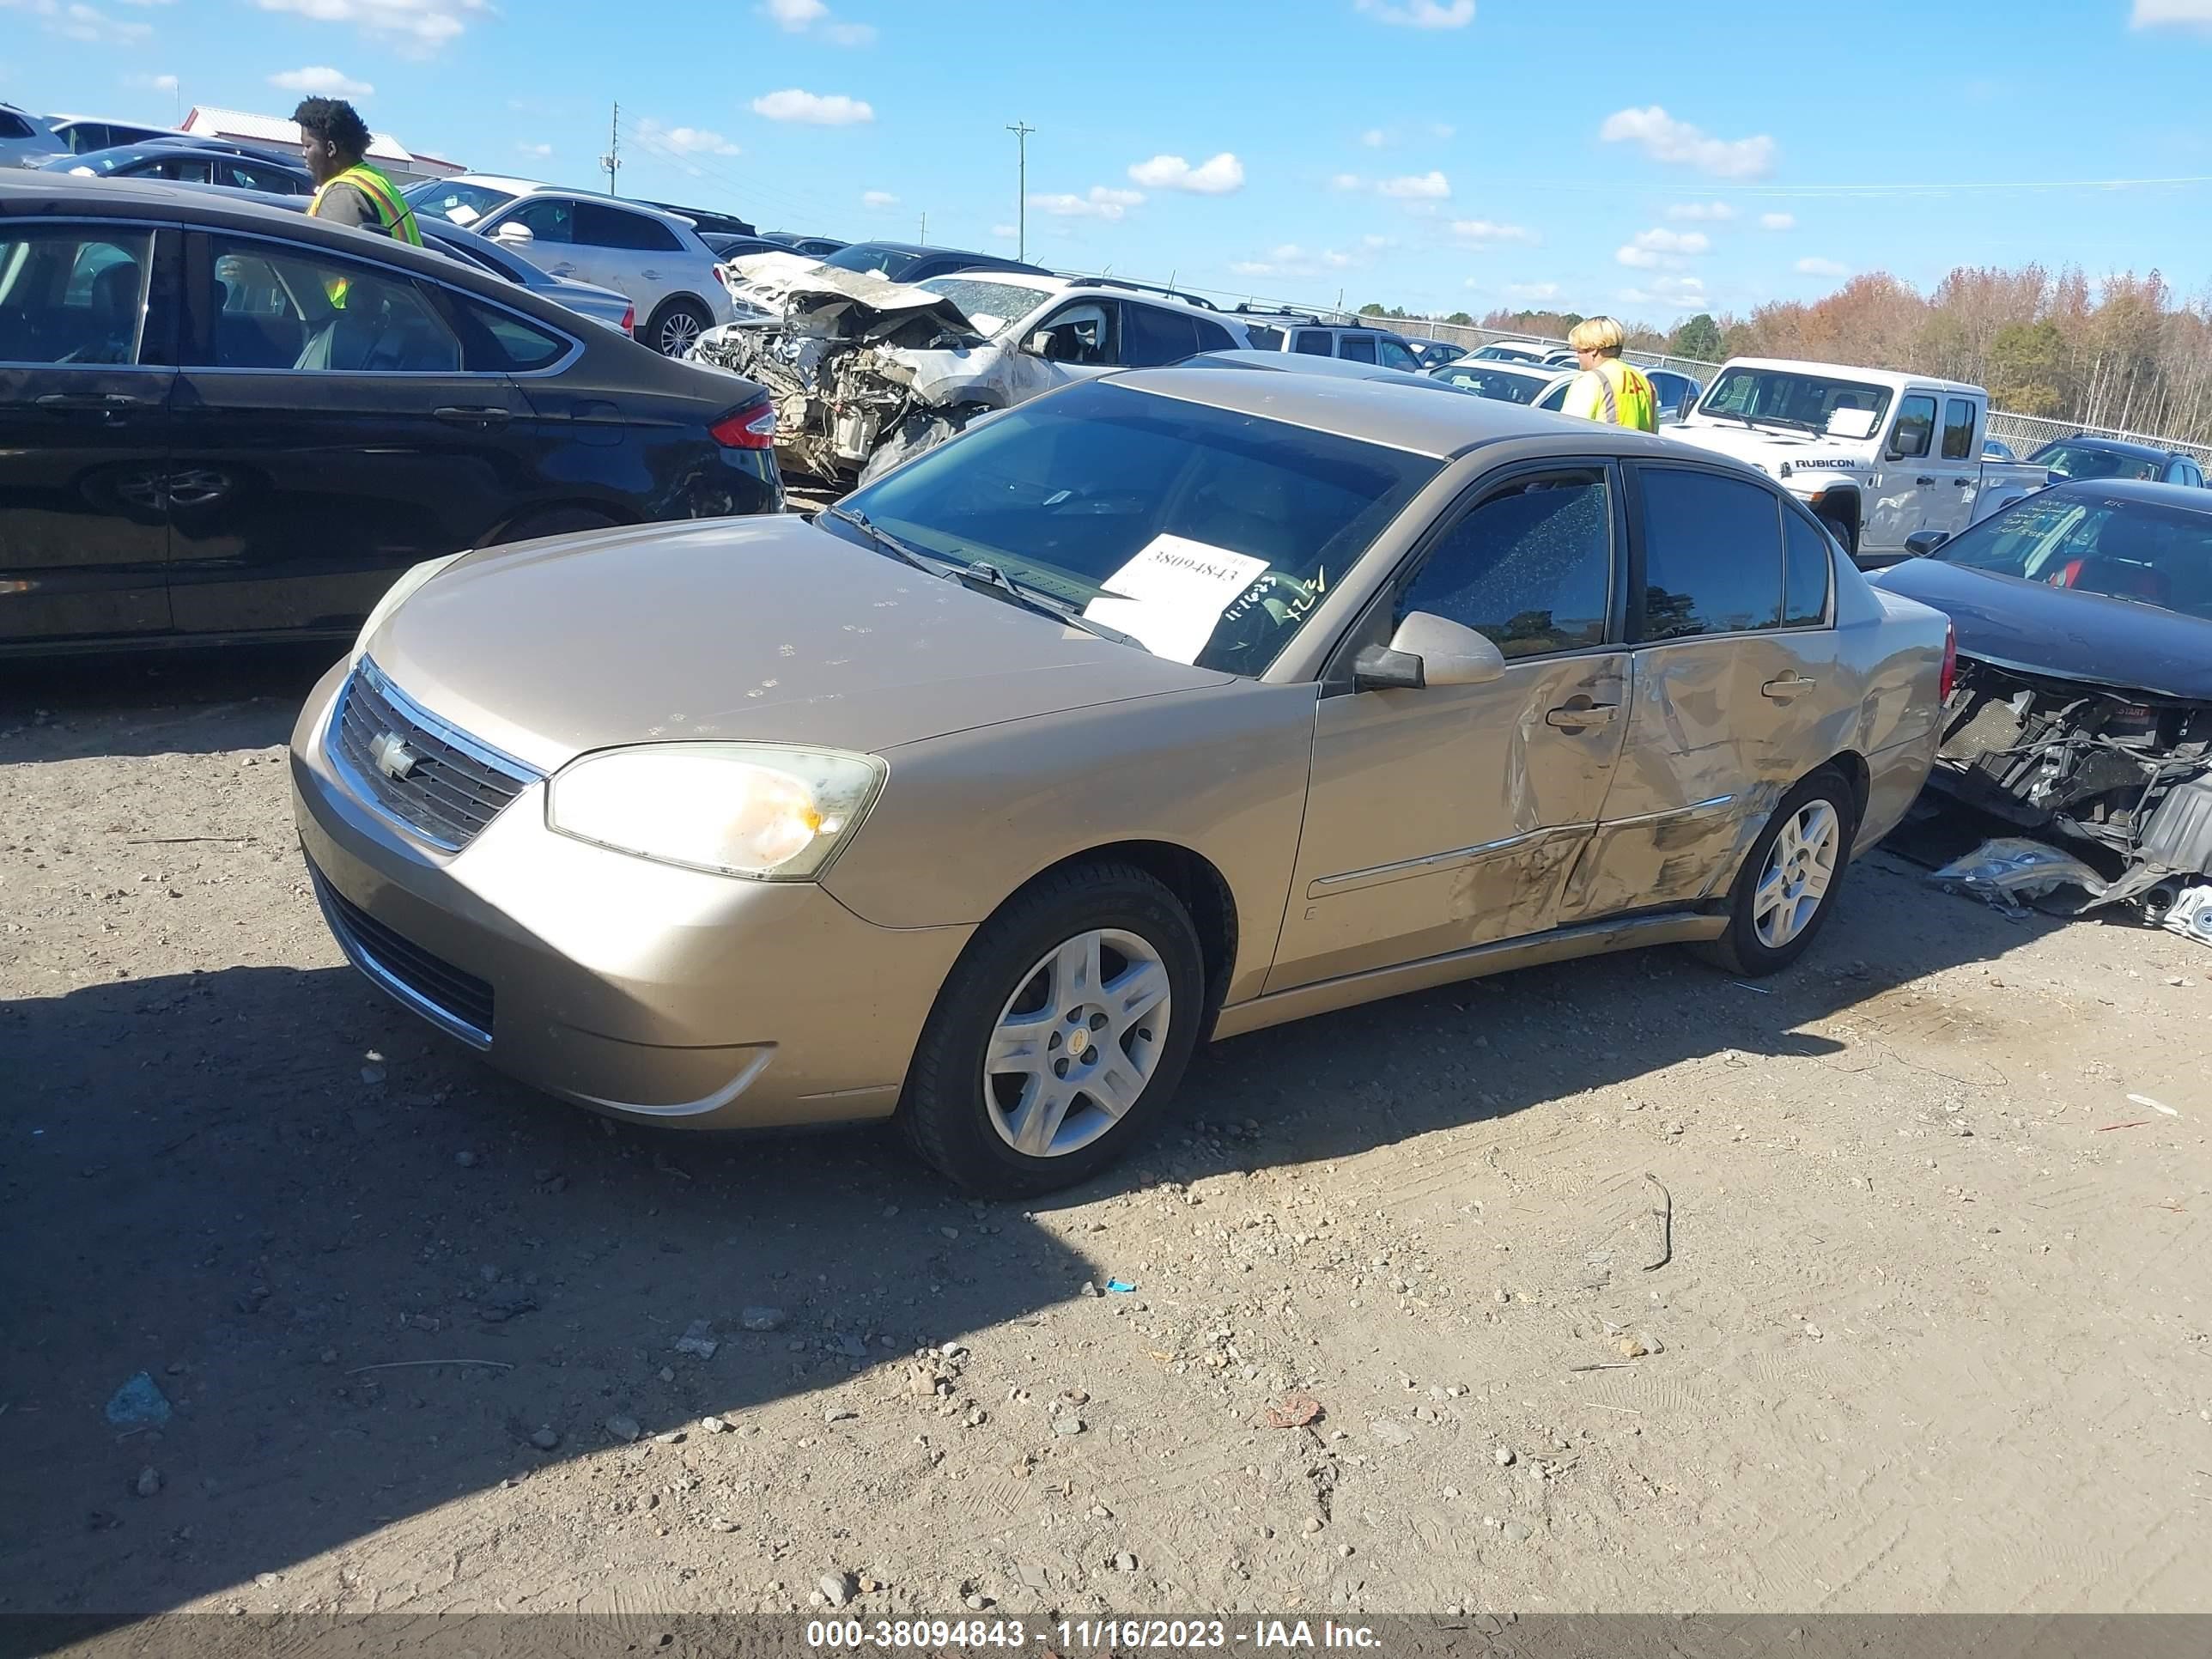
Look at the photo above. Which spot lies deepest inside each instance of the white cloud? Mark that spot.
(877, 198)
(1430, 186)
(537, 152)
(1665, 139)
(156, 82)
(1533, 290)
(1371, 240)
(1374, 138)
(1102, 201)
(1425, 14)
(1777, 221)
(1216, 177)
(804, 16)
(814, 108)
(418, 25)
(1347, 181)
(1289, 259)
(684, 141)
(1717, 213)
(1669, 293)
(1009, 232)
(82, 22)
(1441, 131)
(1650, 249)
(1484, 231)
(320, 80)
(1817, 267)
(2170, 13)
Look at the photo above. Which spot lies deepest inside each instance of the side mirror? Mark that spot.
(515, 234)
(1920, 543)
(1427, 650)
(1039, 344)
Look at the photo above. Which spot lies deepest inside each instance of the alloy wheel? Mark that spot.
(1077, 1043)
(679, 329)
(1801, 866)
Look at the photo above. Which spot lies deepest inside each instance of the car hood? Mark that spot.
(1766, 447)
(2063, 632)
(742, 629)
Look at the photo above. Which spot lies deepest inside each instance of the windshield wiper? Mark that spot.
(981, 576)
(882, 540)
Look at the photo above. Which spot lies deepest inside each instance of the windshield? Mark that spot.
(455, 203)
(2092, 461)
(1790, 397)
(865, 255)
(990, 306)
(2156, 555)
(1501, 384)
(1210, 536)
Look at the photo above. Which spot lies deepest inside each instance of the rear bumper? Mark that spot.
(631, 987)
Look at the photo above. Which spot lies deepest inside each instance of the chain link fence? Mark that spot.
(2024, 433)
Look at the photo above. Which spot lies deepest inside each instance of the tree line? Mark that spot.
(2121, 352)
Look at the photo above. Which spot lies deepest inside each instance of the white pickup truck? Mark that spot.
(1883, 458)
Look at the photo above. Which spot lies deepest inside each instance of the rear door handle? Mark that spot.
(1571, 717)
(116, 400)
(1787, 686)
(1964, 483)
(471, 415)
(1923, 479)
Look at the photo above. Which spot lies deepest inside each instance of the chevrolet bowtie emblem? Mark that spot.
(392, 757)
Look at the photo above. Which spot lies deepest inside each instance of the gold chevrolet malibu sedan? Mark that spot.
(1166, 707)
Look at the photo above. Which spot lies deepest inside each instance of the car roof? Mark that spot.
(1397, 414)
(143, 150)
(1895, 378)
(2116, 446)
(1499, 365)
(2145, 491)
(1343, 368)
(539, 186)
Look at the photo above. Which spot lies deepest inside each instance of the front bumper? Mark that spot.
(631, 987)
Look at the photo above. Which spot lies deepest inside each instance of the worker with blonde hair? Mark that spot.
(1608, 389)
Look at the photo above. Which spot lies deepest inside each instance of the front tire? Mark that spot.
(1786, 889)
(1060, 1035)
(675, 326)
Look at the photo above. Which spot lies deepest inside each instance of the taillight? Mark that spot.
(629, 319)
(722, 274)
(752, 427)
(1950, 664)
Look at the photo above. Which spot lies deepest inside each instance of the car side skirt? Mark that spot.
(1560, 944)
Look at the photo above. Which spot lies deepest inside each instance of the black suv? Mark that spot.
(219, 420)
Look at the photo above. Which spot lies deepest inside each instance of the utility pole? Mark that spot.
(1021, 130)
(612, 159)
(925, 230)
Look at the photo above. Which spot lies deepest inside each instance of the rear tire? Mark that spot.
(675, 326)
(1786, 889)
(1060, 1035)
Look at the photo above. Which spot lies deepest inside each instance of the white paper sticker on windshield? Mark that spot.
(1850, 423)
(1173, 593)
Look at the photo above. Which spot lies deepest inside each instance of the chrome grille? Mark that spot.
(433, 778)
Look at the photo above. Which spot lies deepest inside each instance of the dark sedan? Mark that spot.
(916, 262)
(219, 420)
(2083, 456)
(184, 162)
(2083, 701)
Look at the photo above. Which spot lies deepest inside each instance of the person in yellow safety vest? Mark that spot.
(348, 191)
(1608, 389)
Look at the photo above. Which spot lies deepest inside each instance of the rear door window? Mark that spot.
(1151, 336)
(290, 308)
(1958, 430)
(1212, 336)
(1314, 342)
(497, 340)
(1358, 347)
(1712, 554)
(548, 218)
(1808, 572)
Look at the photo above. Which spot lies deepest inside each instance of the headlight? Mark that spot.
(394, 597)
(733, 809)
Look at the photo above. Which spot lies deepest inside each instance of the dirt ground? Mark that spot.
(1934, 1333)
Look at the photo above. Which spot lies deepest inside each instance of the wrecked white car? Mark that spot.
(866, 371)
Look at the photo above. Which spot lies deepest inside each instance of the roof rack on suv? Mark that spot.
(1247, 308)
(1137, 287)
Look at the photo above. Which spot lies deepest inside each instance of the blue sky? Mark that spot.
(1641, 159)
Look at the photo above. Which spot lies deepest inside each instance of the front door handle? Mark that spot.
(650, 276)
(1923, 479)
(1787, 686)
(1964, 483)
(1581, 717)
(471, 415)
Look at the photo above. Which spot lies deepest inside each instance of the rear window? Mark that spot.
(600, 226)
(1314, 342)
(13, 126)
(2073, 460)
